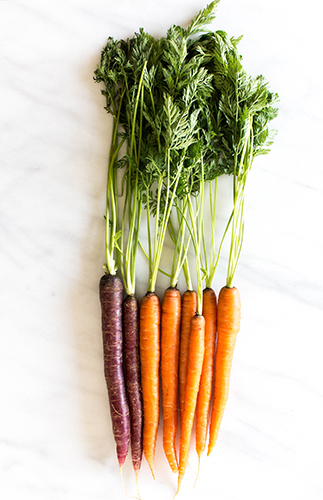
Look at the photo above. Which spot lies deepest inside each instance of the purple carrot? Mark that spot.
(111, 297)
(132, 370)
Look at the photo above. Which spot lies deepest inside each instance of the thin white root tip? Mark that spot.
(123, 483)
(180, 478)
(152, 471)
(125, 489)
(176, 493)
(189, 465)
(198, 472)
(137, 483)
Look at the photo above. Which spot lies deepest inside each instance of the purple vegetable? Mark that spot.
(132, 370)
(111, 297)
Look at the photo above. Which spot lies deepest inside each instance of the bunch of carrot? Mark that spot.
(184, 112)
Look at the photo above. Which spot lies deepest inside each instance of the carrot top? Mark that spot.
(191, 101)
(239, 111)
(174, 87)
(122, 70)
(114, 90)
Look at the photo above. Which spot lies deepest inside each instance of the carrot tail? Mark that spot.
(132, 370)
(195, 362)
(205, 390)
(150, 358)
(170, 331)
(189, 306)
(111, 295)
(229, 312)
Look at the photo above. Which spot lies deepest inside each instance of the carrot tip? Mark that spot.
(123, 483)
(151, 470)
(209, 451)
(125, 489)
(137, 484)
(198, 471)
(180, 478)
(176, 492)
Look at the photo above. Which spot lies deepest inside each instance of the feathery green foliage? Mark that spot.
(188, 112)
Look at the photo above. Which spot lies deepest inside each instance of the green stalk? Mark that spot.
(197, 239)
(149, 237)
(199, 277)
(147, 257)
(136, 243)
(213, 218)
(187, 274)
(214, 257)
(132, 206)
(111, 199)
(180, 251)
(179, 264)
(160, 230)
(238, 208)
(157, 231)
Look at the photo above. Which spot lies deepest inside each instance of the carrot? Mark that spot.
(229, 311)
(132, 371)
(170, 332)
(111, 295)
(149, 329)
(197, 335)
(194, 370)
(189, 305)
(205, 390)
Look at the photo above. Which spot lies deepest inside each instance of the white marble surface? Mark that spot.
(55, 431)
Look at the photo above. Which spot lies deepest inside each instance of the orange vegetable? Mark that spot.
(170, 332)
(194, 370)
(150, 359)
(189, 306)
(229, 312)
(205, 391)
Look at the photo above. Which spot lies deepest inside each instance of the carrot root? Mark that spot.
(229, 313)
(194, 370)
(132, 370)
(150, 312)
(205, 390)
(170, 332)
(111, 296)
(189, 307)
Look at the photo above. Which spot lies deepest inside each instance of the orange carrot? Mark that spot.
(189, 306)
(170, 331)
(229, 312)
(205, 390)
(194, 369)
(150, 358)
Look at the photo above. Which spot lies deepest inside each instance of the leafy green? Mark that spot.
(188, 113)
